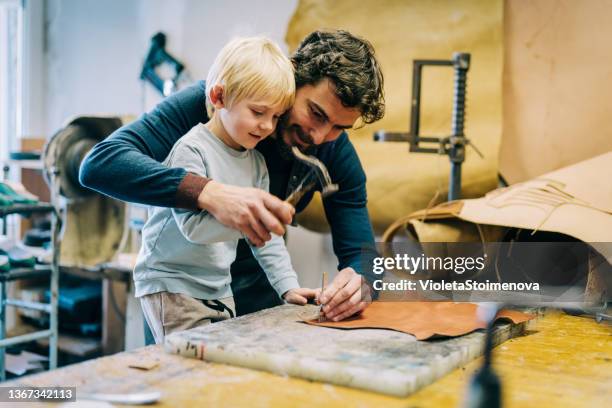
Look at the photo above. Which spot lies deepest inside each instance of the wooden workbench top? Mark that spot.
(560, 361)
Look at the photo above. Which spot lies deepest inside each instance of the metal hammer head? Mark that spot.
(327, 187)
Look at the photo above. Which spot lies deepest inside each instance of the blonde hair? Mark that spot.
(253, 67)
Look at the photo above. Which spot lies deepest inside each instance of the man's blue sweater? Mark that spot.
(127, 165)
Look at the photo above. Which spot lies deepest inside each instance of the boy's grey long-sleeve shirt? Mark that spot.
(191, 252)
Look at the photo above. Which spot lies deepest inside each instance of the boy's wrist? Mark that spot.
(189, 191)
(285, 285)
(286, 293)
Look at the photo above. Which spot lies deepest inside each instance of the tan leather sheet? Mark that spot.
(575, 200)
(422, 319)
(556, 92)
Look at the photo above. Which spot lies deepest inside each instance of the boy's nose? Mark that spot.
(267, 125)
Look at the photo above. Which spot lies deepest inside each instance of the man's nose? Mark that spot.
(319, 134)
(322, 134)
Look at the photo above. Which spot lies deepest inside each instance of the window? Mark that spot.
(11, 34)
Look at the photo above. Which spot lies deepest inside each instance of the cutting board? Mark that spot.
(382, 361)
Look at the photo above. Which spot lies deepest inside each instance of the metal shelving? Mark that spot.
(51, 270)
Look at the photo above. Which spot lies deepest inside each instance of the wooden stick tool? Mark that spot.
(323, 285)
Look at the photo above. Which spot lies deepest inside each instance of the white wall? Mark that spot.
(94, 49)
(34, 70)
(89, 55)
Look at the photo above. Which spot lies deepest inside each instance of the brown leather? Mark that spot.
(422, 319)
(443, 210)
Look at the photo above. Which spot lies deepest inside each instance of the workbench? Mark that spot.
(561, 360)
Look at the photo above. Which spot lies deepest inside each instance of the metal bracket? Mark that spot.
(454, 145)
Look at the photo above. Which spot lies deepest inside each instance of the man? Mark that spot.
(338, 81)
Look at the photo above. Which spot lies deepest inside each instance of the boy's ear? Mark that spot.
(217, 97)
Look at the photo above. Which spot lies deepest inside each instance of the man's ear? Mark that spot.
(216, 97)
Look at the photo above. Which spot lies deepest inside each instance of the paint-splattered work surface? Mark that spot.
(382, 361)
(560, 361)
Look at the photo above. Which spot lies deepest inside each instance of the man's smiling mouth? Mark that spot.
(302, 139)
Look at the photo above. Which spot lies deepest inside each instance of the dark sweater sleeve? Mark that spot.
(127, 164)
(347, 212)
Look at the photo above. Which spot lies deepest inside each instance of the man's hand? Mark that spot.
(299, 296)
(252, 211)
(348, 294)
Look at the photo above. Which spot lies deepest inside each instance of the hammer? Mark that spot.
(321, 172)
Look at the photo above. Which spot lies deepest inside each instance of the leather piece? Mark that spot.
(574, 200)
(584, 212)
(422, 319)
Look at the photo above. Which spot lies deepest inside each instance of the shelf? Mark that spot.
(51, 271)
(25, 208)
(27, 164)
(83, 347)
(106, 271)
(100, 272)
(67, 343)
(25, 273)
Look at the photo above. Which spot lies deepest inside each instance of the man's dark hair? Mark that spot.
(349, 62)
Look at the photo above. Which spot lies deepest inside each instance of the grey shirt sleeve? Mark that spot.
(273, 257)
(197, 227)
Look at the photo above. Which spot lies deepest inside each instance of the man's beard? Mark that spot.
(285, 148)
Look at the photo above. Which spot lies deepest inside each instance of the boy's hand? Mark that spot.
(254, 212)
(299, 296)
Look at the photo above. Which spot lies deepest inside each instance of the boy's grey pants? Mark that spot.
(167, 312)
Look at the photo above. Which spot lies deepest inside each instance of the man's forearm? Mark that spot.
(120, 172)
(127, 165)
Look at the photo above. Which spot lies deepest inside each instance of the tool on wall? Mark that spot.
(158, 60)
(453, 145)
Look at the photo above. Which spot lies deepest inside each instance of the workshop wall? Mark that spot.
(92, 56)
(94, 50)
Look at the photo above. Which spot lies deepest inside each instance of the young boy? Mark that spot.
(182, 275)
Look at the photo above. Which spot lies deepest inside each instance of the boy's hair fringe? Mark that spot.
(253, 67)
